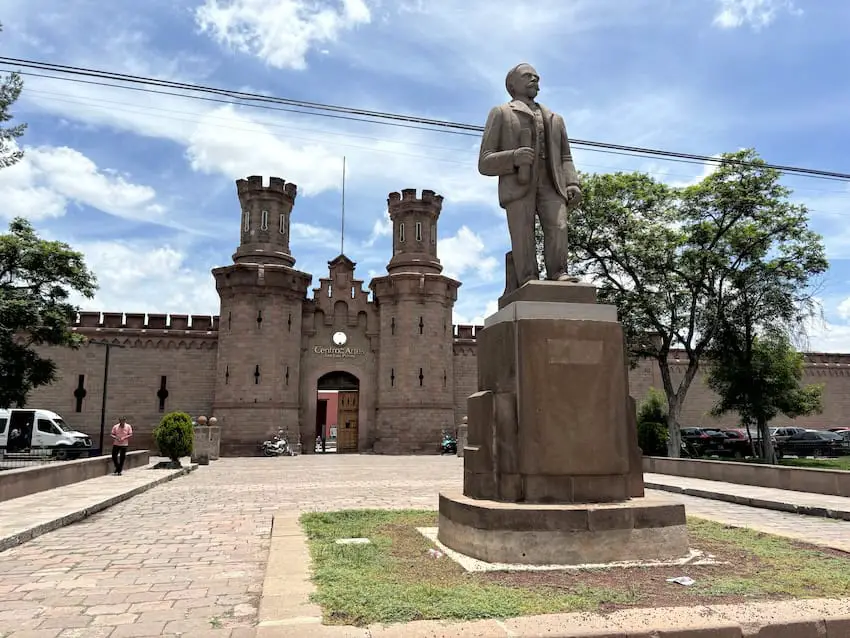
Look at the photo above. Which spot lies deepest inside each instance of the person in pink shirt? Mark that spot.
(121, 434)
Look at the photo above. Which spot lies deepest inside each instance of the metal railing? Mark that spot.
(15, 457)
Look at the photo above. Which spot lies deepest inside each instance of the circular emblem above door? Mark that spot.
(339, 338)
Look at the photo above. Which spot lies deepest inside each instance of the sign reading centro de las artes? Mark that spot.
(338, 350)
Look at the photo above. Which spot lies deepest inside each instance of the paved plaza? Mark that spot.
(188, 557)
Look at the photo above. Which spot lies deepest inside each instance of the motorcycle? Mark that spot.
(277, 446)
(449, 444)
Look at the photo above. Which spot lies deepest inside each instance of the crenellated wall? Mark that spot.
(158, 364)
(168, 362)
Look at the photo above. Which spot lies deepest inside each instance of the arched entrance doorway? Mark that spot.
(337, 409)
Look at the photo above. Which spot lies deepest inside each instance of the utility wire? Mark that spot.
(408, 121)
(298, 133)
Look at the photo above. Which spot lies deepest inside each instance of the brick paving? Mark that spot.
(188, 557)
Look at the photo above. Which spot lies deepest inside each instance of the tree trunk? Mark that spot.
(768, 453)
(674, 435)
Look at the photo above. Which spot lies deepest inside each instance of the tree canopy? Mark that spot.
(760, 378)
(37, 277)
(10, 90)
(672, 259)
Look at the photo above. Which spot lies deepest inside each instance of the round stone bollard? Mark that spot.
(461, 436)
(201, 447)
(215, 439)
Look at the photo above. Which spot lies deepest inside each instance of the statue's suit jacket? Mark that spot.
(502, 137)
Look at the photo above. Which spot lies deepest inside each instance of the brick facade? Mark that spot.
(256, 366)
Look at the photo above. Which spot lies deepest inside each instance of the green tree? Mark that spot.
(37, 277)
(10, 89)
(760, 378)
(668, 257)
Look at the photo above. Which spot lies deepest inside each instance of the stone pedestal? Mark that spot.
(552, 440)
(215, 442)
(572, 534)
(201, 446)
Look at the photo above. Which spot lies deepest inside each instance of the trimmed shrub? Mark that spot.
(174, 436)
(652, 438)
(652, 428)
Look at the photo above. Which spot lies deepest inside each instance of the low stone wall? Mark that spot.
(29, 480)
(798, 479)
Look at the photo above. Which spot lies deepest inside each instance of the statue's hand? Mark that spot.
(573, 195)
(524, 156)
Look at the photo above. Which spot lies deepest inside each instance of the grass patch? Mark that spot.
(392, 579)
(841, 463)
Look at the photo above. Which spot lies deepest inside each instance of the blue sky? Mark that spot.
(143, 183)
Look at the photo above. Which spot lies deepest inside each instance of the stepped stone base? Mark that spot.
(563, 534)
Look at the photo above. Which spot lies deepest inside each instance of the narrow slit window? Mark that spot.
(418, 231)
(433, 233)
(401, 232)
(282, 227)
(264, 220)
(247, 221)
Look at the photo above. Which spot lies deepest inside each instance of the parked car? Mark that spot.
(842, 429)
(782, 434)
(702, 439)
(815, 443)
(736, 443)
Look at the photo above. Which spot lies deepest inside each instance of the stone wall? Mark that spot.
(180, 359)
(183, 350)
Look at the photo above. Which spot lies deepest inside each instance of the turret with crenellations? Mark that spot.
(416, 372)
(414, 231)
(265, 221)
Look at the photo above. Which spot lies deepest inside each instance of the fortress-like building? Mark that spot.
(402, 369)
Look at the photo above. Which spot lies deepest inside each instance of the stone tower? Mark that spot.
(415, 373)
(259, 342)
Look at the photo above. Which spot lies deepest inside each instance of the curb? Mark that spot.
(779, 506)
(38, 530)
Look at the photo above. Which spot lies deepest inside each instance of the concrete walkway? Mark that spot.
(805, 503)
(24, 518)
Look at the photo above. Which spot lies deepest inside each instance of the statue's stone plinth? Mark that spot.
(551, 439)
(567, 534)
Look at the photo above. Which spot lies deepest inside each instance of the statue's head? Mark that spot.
(523, 81)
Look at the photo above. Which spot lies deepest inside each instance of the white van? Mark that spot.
(40, 433)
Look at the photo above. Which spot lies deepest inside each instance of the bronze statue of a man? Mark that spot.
(526, 146)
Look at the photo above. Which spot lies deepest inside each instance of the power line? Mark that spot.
(297, 133)
(408, 121)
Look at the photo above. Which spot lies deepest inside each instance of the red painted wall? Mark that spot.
(332, 397)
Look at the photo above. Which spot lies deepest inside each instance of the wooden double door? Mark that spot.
(348, 410)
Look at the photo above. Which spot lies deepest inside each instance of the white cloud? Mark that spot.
(480, 308)
(138, 276)
(283, 32)
(383, 227)
(303, 234)
(755, 13)
(49, 178)
(465, 253)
